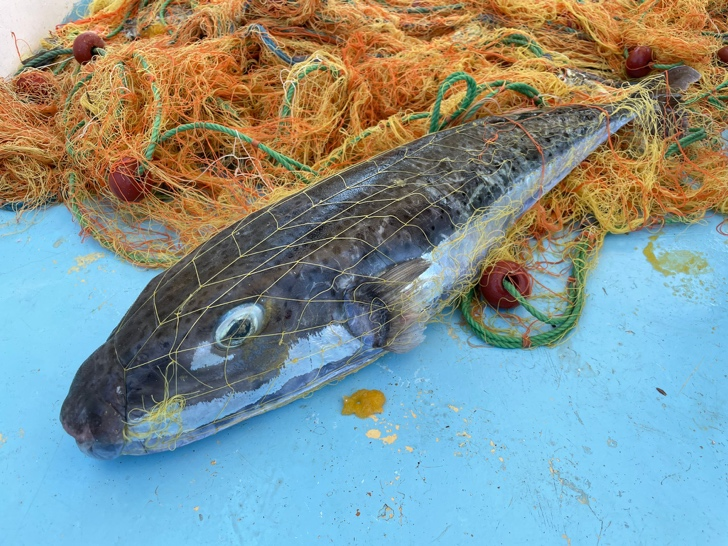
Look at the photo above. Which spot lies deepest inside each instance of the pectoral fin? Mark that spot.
(382, 312)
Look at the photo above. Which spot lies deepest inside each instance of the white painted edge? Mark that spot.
(31, 21)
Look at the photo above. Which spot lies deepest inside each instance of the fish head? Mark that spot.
(199, 351)
(94, 410)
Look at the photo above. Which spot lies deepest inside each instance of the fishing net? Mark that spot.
(215, 108)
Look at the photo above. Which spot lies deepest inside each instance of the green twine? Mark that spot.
(122, 101)
(157, 123)
(79, 84)
(694, 135)
(44, 59)
(666, 66)
(503, 85)
(286, 108)
(524, 41)
(715, 101)
(156, 138)
(287, 162)
(470, 95)
(118, 29)
(69, 147)
(472, 92)
(162, 9)
(722, 36)
(61, 66)
(225, 105)
(562, 324)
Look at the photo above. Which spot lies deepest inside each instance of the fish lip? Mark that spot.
(94, 448)
(87, 442)
(94, 410)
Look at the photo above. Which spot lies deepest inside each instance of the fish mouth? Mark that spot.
(89, 443)
(94, 410)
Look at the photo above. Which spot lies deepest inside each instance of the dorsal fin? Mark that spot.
(383, 314)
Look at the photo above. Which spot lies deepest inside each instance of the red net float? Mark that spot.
(85, 44)
(126, 183)
(638, 63)
(491, 284)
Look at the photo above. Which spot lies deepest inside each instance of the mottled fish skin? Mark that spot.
(340, 273)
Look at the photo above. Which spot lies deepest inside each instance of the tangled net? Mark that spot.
(225, 105)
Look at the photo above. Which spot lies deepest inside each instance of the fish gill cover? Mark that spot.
(191, 115)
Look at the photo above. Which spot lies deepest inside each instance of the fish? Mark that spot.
(323, 282)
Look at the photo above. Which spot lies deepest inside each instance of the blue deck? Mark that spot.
(568, 445)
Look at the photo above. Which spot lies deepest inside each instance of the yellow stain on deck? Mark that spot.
(375, 434)
(364, 403)
(673, 262)
(82, 262)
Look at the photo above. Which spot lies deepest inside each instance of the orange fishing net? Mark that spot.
(215, 107)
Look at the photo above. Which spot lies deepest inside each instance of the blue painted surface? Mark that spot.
(568, 445)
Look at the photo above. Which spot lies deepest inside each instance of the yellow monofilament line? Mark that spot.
(163, 420)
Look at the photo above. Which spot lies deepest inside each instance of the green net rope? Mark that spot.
(562, 324)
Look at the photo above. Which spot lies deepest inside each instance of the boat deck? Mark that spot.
(616, 436)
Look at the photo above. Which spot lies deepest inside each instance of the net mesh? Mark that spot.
(224, 106)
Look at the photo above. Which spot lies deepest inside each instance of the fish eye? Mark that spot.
(238, 324)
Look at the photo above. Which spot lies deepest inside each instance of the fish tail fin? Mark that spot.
(679, 78)
(668, 87)
(665, 91)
